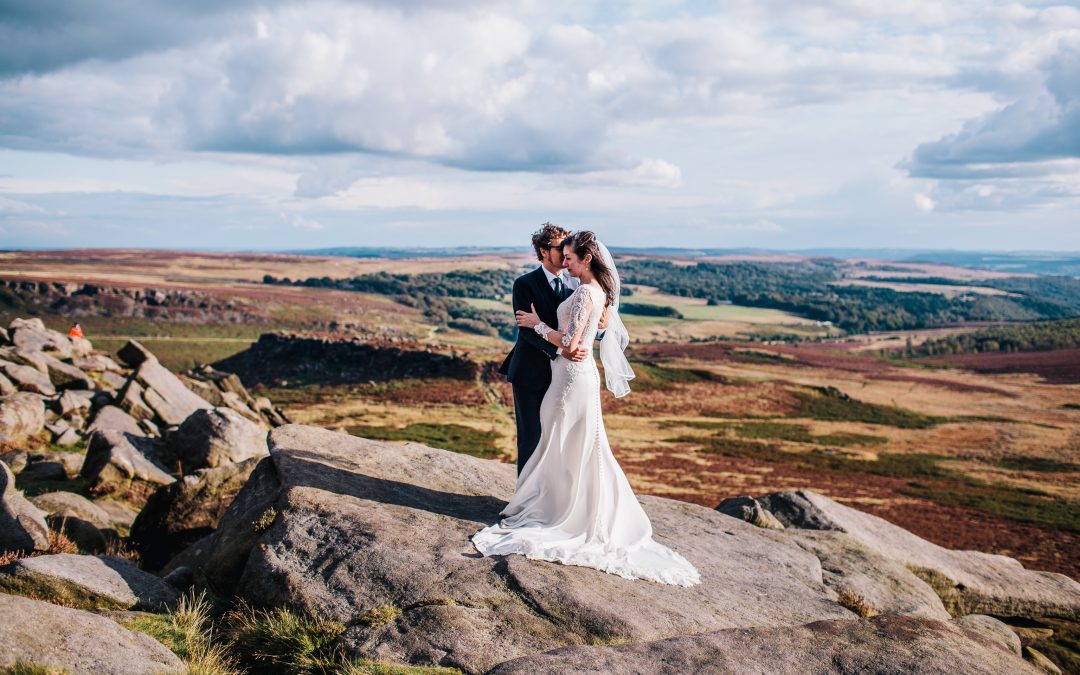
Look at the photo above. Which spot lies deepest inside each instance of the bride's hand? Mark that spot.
(527, 319)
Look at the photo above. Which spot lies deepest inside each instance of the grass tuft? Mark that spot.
(265, 520)
(849, 599)
(379, 616)
(279, 640)
(189, 632)
(22, 668)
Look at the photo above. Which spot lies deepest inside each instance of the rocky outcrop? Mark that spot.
(163, 393)
(111, 418)
(341, 526)
(21, 415)
(34, 335)
(179, 514)
(216, 437)
(88, 582)
(83, 521)
(284, 356)
(22, 525)
(222, 389)
(115, 459)
(885, 644)
(969, 582)
(80, 642)
(27, 378)
(748, 509)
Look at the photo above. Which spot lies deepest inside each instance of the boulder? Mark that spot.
(27, 378)
(111, 418)
(45, 470)
(133, 354)
(116, 459)
(67, 376)
(81, 643)
(884, 644)
(215, 437)
(337, 526)
(5, 337)
(111, 381)
(88, 582)
(32, 334)
(74, 505)
(7, 388)
(80, 347)
(15, 459)
(131, 401)
(22, 525)
(166, 394)
(968, 582)
(120, 515)
(748, 509)
(95, 363)
(27, 357)
(83, 521)
(21, 415)
(180, 513)
(873, 584)
(73, 401)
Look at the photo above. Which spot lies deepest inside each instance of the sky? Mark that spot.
(276, 125)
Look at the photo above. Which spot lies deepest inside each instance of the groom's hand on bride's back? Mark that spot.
(579, 354)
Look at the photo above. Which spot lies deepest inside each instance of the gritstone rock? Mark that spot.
(215, 437)
(117, 458)
(21, 415)
(969, 582)
(22, 525)
(89, 582)
(82, 643)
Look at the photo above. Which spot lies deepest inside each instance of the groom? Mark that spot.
(528, 365)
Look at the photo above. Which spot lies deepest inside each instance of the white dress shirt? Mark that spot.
(570, 282)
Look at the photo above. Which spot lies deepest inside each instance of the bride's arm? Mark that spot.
(570, 339)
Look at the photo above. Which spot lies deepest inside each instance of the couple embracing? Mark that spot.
(573, 503)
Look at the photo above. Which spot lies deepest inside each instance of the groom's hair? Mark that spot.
(547, 236)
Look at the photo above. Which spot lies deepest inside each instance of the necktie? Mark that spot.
(557, 285)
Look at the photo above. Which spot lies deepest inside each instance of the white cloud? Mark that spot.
(924, 203)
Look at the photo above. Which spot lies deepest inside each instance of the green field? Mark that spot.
(696, 309)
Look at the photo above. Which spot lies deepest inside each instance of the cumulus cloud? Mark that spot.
(479, 86)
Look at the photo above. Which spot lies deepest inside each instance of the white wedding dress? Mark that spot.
(573, 503)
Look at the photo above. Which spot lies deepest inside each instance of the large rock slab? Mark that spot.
(33, 334)
(66, 376)
(28, 378)
(337, 525)
(968, 582)
(88, 582)
(114, 458)
(21, 415)
(180, 513)
(22, 525)
(896, 644)
(216, 437)
(83, 521)
(166, 394)
(883, 585)
(82, 643)
(111, 418)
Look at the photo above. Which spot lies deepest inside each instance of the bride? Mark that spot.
(573, 504)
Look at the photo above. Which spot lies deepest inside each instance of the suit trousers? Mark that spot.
(527, 413)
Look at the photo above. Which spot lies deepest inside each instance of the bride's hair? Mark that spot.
(585, 242)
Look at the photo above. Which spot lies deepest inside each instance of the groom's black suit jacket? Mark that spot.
(528, 364)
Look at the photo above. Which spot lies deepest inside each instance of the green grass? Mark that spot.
(652, 376)
(281, 641)
(1038, 464)
(830, 404)
(188, 631)
(455, 437)
(179, 354)
(783, 431)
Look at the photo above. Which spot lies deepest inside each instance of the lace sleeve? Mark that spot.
(580, 309)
